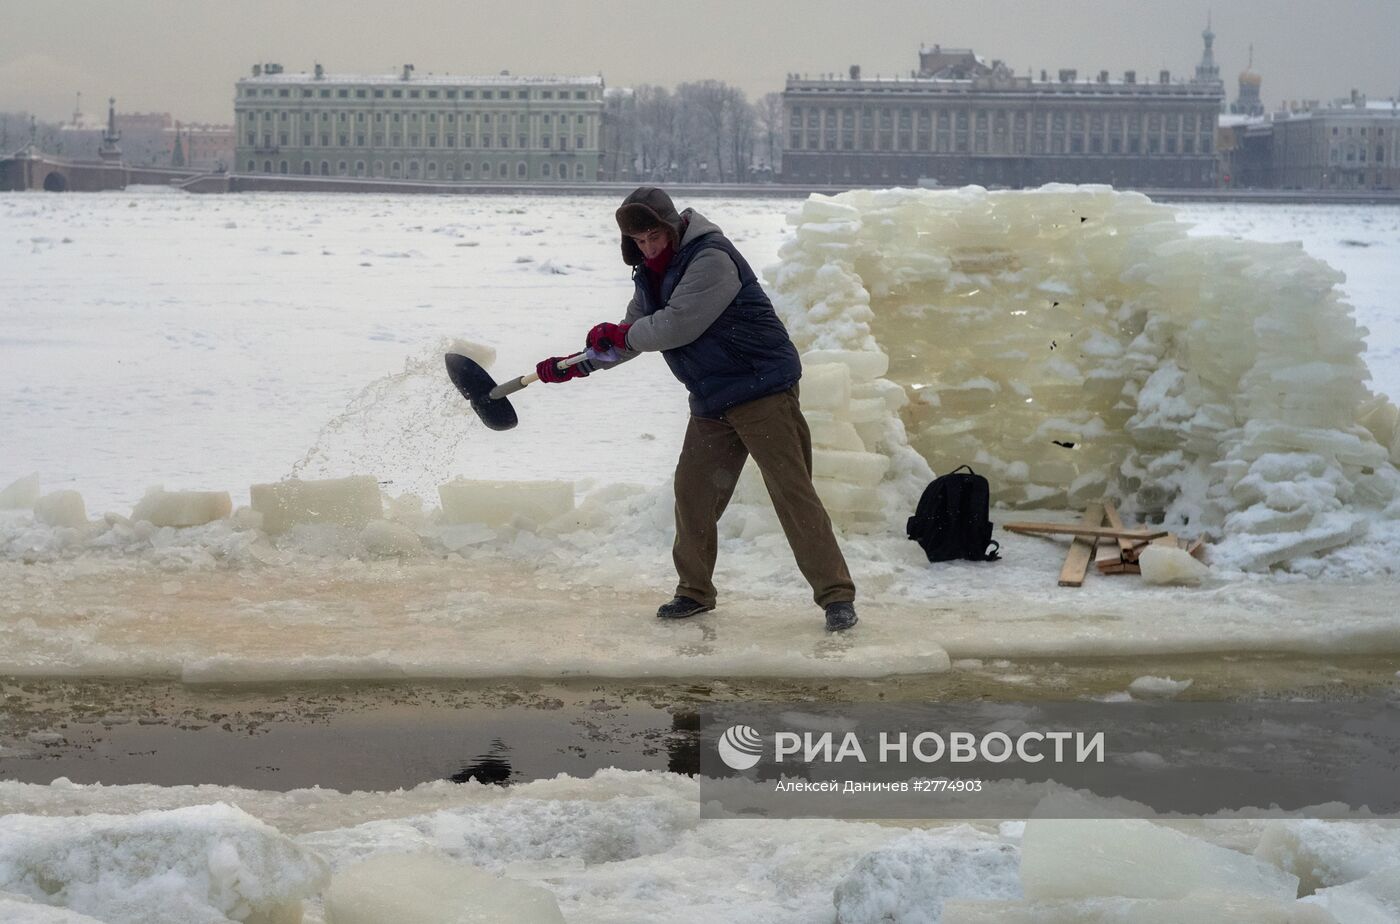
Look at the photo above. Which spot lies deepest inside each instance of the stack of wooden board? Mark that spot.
(1121, 547)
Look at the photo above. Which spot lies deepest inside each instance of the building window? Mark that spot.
(414, 94)
(342, 168)
(282, 167)
(522, 94)
(544, 170)
(432, 169)
(325, 94)
(396, 94)
(413, 169)
(578, 142)
(306, 168)
(578, 171)
(396, 169)
(486, 94)
(521, 170)
(451, 94)
(325, 168)
(468, 94)
(378, 94)
(359, 168)
(379, 168)
(485, 170)
(252, 166)
(466, 170)
(432, 94)
(306, 94)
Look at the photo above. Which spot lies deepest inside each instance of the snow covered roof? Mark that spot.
(438, 80)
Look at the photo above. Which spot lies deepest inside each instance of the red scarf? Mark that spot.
(656, 268)
(658, 263)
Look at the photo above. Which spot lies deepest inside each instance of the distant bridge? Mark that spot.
(32, 169)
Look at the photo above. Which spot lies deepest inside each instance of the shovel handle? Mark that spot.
(514, 385)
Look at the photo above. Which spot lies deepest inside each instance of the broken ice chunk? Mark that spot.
(352, 501)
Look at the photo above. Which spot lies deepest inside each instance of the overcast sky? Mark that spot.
(183, 56)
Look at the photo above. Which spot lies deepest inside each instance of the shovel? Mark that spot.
(489, 399)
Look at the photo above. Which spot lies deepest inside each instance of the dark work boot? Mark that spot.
(840, 616)
(681, 607)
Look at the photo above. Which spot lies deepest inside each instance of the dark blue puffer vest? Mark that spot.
(745, 354)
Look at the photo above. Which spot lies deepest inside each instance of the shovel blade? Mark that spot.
(475, 384)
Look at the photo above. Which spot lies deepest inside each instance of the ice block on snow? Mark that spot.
(497, 502)
(425, 888)
(182, 508)
(1129, 857)
(1213, 906)
(61, 508)
(864, 365)
(353, 501)
(825, 387)
(21, 493)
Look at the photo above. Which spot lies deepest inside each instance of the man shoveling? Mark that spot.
(699, 304)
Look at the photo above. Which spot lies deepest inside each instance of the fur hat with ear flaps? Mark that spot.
(646, 208)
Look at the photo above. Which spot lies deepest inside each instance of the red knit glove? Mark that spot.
(548, 370)
(605, 337)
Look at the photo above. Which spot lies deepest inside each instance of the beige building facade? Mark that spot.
(1350, 146)
(969, 122)
(437, 128)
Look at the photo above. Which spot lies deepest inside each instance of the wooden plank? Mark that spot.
(1114, 520)
(1197, 549)
(1081, 550)
(1169, 540)
(1117, 566)
(1098, 532)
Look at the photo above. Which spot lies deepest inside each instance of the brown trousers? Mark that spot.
(773, 431)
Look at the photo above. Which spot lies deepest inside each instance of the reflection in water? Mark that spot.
(683, 744)
(493, 767)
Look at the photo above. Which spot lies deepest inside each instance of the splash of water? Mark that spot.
(406, 428)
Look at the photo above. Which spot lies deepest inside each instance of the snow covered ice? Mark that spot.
(294, 343)
(315, 367)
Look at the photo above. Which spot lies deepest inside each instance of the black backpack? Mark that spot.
(951, 520)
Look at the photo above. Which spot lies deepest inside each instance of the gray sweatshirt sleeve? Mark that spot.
(710, 283)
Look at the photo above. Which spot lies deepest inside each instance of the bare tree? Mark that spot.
(769, 113)
(741, 131)
(704, 130)
(656, 117)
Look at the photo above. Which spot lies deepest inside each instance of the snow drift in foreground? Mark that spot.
(1075, 343)
(631, 847)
